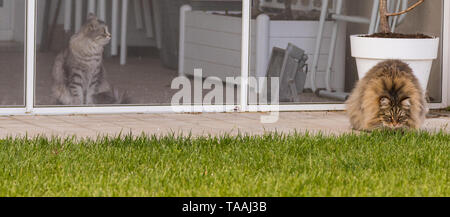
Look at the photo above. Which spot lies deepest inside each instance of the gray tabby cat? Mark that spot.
(78, 71)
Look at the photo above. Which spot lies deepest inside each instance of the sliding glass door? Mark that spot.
(137, 52)
(12, 53)
(322, 76)
(140, 56)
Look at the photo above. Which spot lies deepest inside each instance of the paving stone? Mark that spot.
(184, 124)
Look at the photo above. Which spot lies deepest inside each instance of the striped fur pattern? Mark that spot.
(78, 71)
(389, 96)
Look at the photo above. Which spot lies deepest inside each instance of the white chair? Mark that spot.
(99, 7)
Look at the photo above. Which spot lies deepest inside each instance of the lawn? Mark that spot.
(376, 164)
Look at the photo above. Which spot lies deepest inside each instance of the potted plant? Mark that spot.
(418, 50)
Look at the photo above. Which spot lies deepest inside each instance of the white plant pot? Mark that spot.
(417, 53)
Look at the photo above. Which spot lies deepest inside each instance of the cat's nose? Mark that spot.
(396, 125)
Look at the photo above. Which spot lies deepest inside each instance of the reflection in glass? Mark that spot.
(12, 26)
(128, 52)
(277, 27)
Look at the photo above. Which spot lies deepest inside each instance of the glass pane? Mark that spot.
(12, 35)
(79, 58)
(299, 26)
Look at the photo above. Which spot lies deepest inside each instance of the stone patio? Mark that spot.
(198, 124)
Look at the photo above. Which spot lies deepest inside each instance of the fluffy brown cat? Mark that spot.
(389, 96)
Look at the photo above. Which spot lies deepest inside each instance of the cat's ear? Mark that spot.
(406, 103)
(91, 20)
(385, 102)
(91, 16)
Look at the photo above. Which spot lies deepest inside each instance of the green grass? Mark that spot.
(376, 164)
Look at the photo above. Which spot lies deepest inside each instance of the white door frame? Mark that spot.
(446, 57)
(30, 109)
